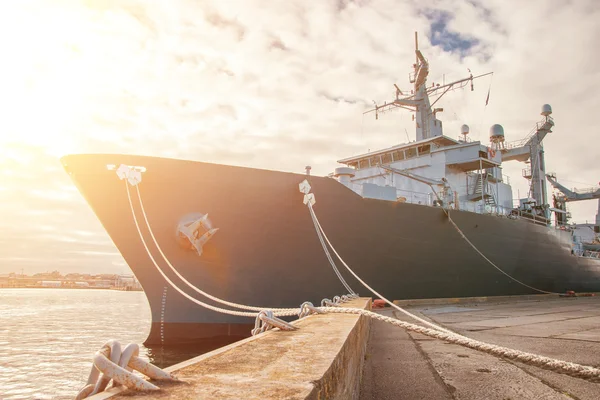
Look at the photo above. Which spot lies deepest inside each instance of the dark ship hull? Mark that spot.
(266, 251)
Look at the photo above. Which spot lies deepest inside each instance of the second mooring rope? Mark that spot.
(415, 317)
(585, 372)
(564, 367)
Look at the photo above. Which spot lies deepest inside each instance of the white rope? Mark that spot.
(572, 369)
(490, 261)
(331, 262)
(447, 212)
(117, 364)
(203, 293)
(585, 372)
(292, 311)
(318, 224)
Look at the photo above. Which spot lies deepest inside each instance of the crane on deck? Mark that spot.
(565, 195)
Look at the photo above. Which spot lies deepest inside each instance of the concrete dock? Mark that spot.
(323, 359)
(346, 356)
(401, 365)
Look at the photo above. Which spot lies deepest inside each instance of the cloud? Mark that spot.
(441, 35)
(275, 85)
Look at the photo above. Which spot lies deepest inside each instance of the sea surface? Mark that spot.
(49, 336)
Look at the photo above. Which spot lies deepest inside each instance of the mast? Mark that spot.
(416, 47)
(426, 123)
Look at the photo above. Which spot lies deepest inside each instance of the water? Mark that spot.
(49, 336)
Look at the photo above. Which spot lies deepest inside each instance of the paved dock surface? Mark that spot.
(401, 365)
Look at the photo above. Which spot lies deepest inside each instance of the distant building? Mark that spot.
(127, 281)
(51, 283)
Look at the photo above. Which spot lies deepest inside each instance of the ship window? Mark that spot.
(364, 163)
(425, 149)
(386, 158)
(375, 160)
(398, 155)
(482, 154)
(410, 153)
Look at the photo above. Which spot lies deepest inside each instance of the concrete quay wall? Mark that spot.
(323, 359)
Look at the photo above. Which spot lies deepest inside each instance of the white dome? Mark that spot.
(464, 129)
(546, 110)
(496, 133)
(496, 130)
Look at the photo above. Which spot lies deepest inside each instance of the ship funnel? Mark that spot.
(496, 133)
(546, 110)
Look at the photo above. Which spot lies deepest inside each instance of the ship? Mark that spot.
(430, 218)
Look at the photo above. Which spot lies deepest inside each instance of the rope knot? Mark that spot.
(307, 308)
(116, 364)
(266, 320)
(328, 303)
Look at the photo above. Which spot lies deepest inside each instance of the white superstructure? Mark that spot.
(438, 170)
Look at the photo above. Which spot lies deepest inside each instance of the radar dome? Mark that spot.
(546, 110)
(496, 133)
(464, 129)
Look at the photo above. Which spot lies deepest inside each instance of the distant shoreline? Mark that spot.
(120, 289)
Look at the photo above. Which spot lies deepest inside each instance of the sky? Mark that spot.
(274, 85)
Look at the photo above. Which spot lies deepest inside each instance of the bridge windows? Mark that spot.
(398, 155)
(390, 157)
(375, 160)
(425, 149)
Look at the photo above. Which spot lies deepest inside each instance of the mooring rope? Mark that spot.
(286, 312)
(585, 372)
(212, 297)
(415, 317)
(331, 262)
(572, 369)
(200, 291)
(460, 232)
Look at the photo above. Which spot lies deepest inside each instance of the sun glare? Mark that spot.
(45, 73)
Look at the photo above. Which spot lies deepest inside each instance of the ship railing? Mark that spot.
(586, 190)
(590, 254)
(402, 195)
(523, 142)
(409, 196)
(517, 213)
(563, 227)
(496, 210)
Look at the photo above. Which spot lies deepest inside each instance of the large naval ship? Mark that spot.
(246, 235)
